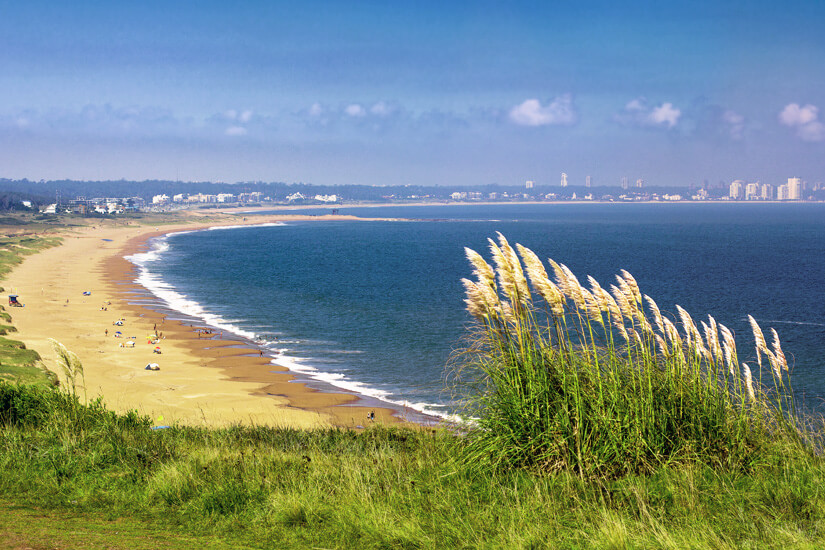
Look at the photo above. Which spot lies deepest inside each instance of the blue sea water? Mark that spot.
(376, 307)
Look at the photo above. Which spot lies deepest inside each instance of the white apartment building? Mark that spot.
(794, 189)
(752, 191)
(563, 179)
(326, 198)
(736, 189)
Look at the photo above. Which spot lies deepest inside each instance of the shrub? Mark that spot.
(561, 377)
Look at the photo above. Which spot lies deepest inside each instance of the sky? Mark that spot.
(429, 93)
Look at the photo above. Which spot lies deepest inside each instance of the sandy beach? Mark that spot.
(204, 379)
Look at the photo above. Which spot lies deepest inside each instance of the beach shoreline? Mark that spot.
(204, 379)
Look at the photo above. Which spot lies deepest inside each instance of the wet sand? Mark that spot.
(204, 379)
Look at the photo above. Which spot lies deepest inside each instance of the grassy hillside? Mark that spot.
(383, 488)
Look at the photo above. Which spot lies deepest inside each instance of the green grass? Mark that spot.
(21, 365)
(14, 249)
(37, 528)
(383, 488)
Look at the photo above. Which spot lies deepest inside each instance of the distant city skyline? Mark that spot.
(464, 93)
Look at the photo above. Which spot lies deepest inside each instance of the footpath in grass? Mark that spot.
(23, 527)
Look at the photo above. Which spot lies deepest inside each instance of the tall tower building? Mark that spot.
(563, 179)
(624, 183)
(794, 189)
(528, 184)
(640, 183)
(587, 181)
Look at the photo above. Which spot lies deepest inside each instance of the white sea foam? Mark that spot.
(180, 302)
(340, 381)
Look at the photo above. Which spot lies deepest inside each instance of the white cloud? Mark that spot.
(665, 114)
(355, 110)
(381, 109)
(236, 131)
(734, 123)
(635, 105)
(532, 113)
(794, 115)
(316, 110)
(805, 120)
(638, 113)
(238, 116)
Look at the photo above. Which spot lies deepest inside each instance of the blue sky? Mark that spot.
(415, 93)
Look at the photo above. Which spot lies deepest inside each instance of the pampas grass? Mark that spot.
(559, 377)
(72, 368)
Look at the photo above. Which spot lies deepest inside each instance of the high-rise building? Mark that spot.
(767, 191)
(752, 191)
(528, 184)
(587, 181)
(563, 179)
(794, 189)
(640, 183)
(624, 182)
(737, 189)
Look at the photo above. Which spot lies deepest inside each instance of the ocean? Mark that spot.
(376, 307)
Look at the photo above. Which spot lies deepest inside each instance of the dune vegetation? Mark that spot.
(594, 421)
(562, 377)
